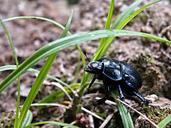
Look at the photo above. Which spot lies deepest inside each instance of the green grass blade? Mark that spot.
(68, 41)
(98, 53)
(67, 27)
(121, 22)
(11, 44)
(32, 70)
(54, 123)
(10, 41)
(126, 13)
(82, 56)
(165, 122)
(39, 80)
(36, 72)
(125, 115)
(110, 14)
(37, 18)
(28, 119)
(125, 21)
(107, 26)
(56, 95)
(69, 89)
(35, 88)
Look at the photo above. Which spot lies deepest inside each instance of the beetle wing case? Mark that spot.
(112, 70)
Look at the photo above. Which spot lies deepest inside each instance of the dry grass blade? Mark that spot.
(63, 89)
(91, 113)
(106, 121)
(50, 104)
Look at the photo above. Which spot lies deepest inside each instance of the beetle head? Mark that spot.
(94, 67)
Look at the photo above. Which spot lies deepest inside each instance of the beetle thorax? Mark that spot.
(94, 67)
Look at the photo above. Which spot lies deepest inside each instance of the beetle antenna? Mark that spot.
(85, 54)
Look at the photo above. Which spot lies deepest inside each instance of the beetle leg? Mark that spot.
(146, 102)
(107, 95)
(122, 97)
(92, 81)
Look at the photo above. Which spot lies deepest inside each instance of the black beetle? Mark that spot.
(116, 75)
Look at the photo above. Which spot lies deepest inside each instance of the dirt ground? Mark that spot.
(151, 59)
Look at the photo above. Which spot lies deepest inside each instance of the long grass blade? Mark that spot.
(125, 21)
(11, 44)
(10, 41)
(110, 14)
(35, 88)
(125, 115)
(39, 80)
(126, 13)
(37, 18)
(120, 23)
(68, 41)
(107, 26)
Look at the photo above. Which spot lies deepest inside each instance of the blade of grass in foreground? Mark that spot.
(125, 115)
(68, 41)
(34, 90)
(165, 122)
(39, 80)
